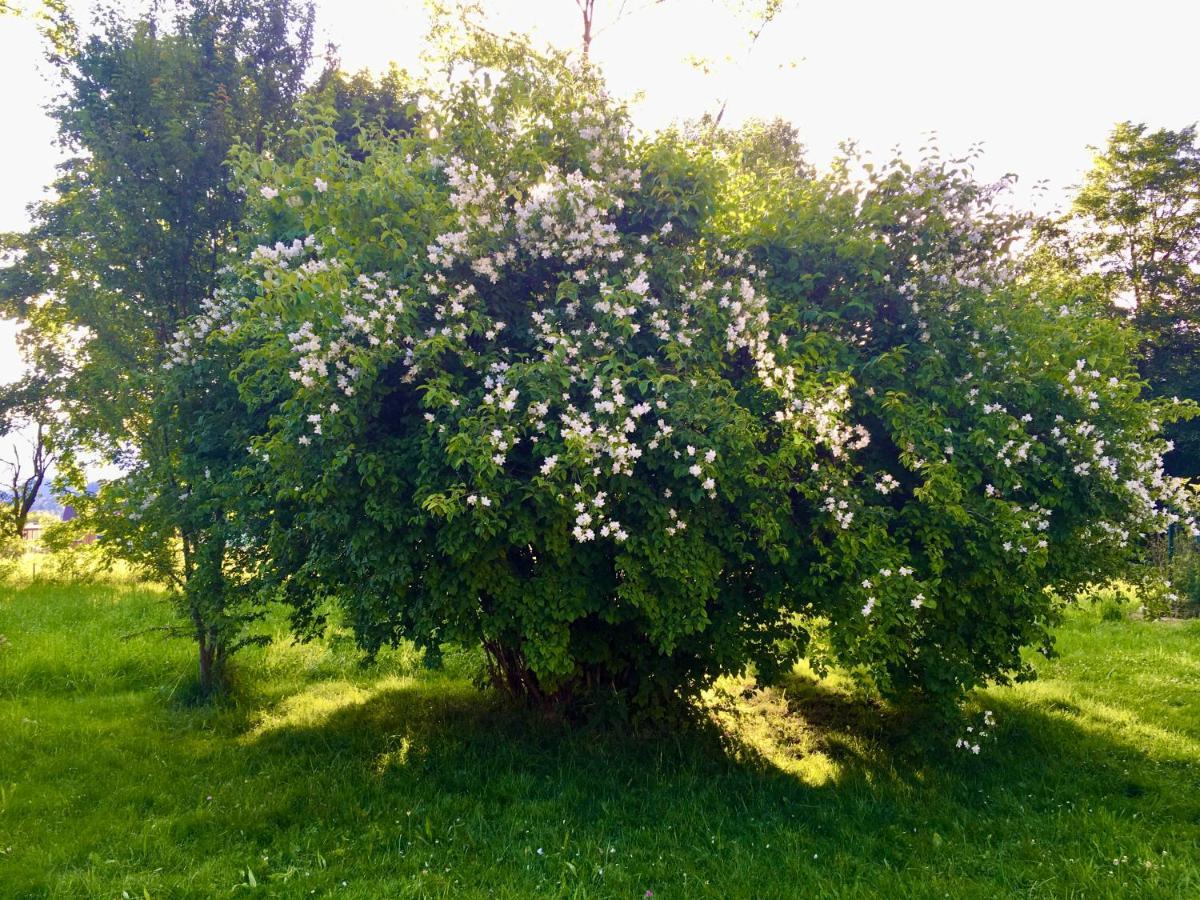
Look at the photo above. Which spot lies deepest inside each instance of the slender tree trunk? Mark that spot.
(24, 492)
(212, 657)
(208, 665)
(205, 594)
(587, 9)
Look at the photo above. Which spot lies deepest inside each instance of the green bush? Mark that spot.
(11, 549)
(68, 555)
(1172, 578)
(630, 414)
(1113, 600)
(1185, 577)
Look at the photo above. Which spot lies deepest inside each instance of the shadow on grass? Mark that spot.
(764, 754)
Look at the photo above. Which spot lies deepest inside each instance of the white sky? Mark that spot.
(1037, 81)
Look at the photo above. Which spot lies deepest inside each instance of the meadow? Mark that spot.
(321, 776)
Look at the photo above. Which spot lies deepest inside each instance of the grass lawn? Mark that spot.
(325, 778)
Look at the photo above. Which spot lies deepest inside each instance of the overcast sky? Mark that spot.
(1036, 82)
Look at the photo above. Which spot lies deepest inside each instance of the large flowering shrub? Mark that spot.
(632, 415)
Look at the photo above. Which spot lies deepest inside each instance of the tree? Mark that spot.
(630, 413)
(361, 101)
(759, 146)
(1140, 213)
(131, 245)
(25, 416)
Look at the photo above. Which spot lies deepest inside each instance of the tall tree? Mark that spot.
(361, 102)
(1140, 212)
(131, 245)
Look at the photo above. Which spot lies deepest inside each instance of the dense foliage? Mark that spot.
(131, 244)
(632, 413)
(1011, 456)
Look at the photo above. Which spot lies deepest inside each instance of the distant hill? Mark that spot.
(47, 502)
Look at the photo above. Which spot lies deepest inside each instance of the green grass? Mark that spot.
(325, 778)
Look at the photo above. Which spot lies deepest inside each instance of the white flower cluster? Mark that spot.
(971, 741)
(215, 316)
(892, 583)
(840, 510)
(560, 227)
(886, 483)
(280, 253)
(589, 514)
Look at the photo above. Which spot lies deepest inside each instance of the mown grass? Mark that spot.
(324, 778)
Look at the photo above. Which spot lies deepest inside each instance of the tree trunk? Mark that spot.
(211, 659)
(587, 9)
(510, 673)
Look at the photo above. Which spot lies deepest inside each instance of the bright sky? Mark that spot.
(1037, 81)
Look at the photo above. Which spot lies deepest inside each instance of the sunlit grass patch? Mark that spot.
(312, 707)
(786, 727)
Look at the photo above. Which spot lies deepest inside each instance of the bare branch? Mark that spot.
(621, 13)
(770, 10)
(169, 630)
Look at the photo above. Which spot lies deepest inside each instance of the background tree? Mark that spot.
(361, 100)
(760, 146)
(1140, 212)
(25, 418)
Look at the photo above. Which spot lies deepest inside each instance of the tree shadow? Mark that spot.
(803, 743)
